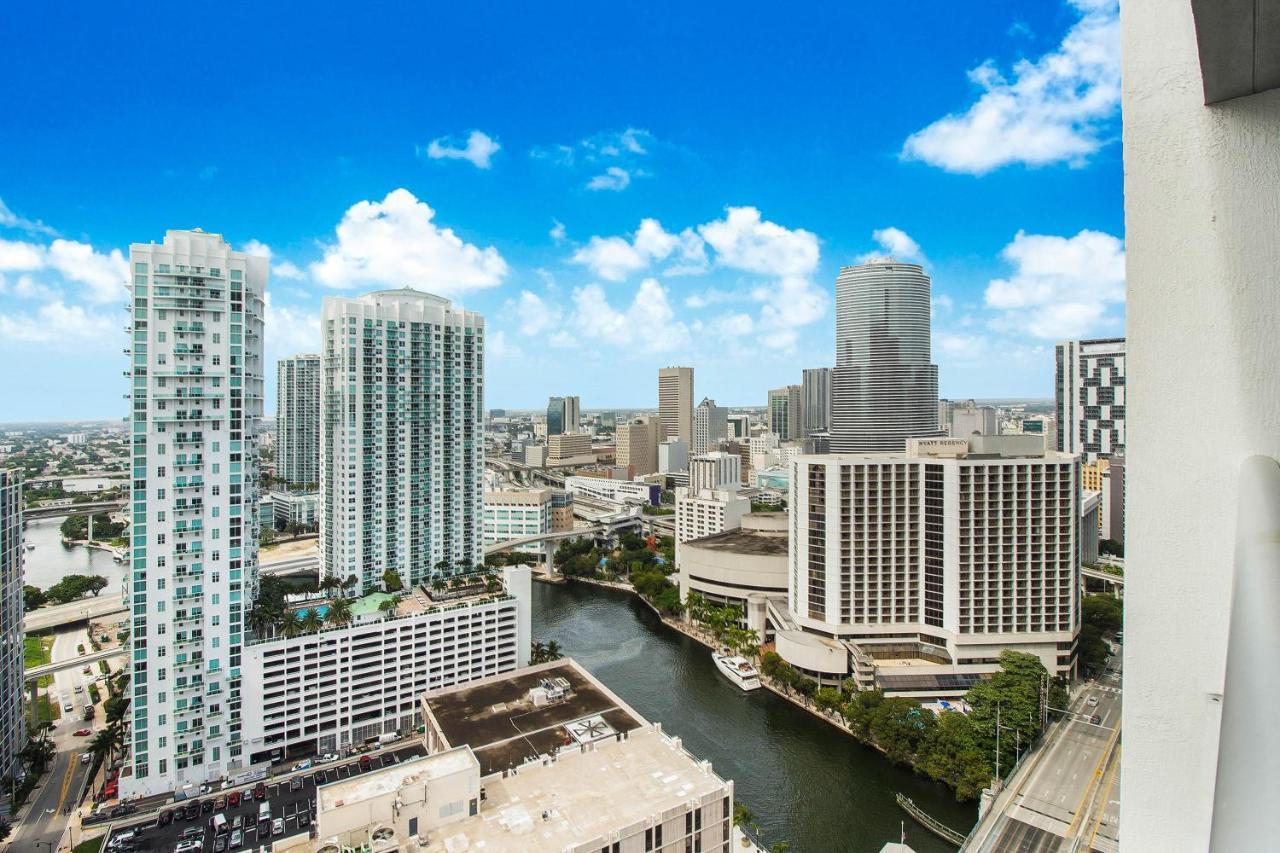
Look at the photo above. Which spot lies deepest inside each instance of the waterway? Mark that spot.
(50, 561)
(807, 782)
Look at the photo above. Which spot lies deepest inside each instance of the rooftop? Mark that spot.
(743, 541)
(583, 795)
(372, 785)
(495, 717)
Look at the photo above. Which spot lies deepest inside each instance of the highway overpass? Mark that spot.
(72, 509)
(72, 663)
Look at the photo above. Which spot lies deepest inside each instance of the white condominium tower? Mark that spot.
(710, 426)
(784, 412)
(401, 436)
(298, 420)
(1090, 395)
(196, 372)
(675, 402)
(13, 732)
(884, 389)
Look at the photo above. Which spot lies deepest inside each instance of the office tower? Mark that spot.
(555, 416)
(197, 379)
(968, 418)
(742, 450)
(673, 456)
(572, 415)
(637, 445)
(675, 402)
(884, 389)
(297, 450)
(1090, 397)
(715, 470)
(569, 449)
(13, 730)
(402, 436)
(710, 425)
(815, 400)
(784, 412)
(960, 547)
(740, 426)
(945, 408)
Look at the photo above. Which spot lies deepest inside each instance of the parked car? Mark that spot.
(328, 756)
(237, 822)
(82, 732)
(206, 806)
(192, 832)
(165, 818)
(188, 847)
(277, 826)
(295, 784)
(1092, 701)
(220, 844)
(192, 811)
(302, 765)
(260, 791)
(365, 761)
(264, 828)
(237, 838)
(1095, 719)
(219, 803)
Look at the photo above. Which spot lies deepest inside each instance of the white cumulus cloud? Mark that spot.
(9, 219)
(614, 258)
(614, 178)
(1054, 109)
(648, 324)
(396, 243)
(59, 325)
(478, 150)
(895, 243)
(1061, 287)
(103, 274)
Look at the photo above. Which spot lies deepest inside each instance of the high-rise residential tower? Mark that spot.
(784, 412)
(572, 414)
(555, 416)
(710, 426)
(884, 389)
(815, 400)
(297, 450)
(675, 401)
(13, 732)
(401, 436)
(197, 378)
(1090, 396)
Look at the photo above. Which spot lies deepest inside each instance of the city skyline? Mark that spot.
(608, 240)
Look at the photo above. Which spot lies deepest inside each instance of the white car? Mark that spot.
(1092, 701)
(189, 846)
(328, 756)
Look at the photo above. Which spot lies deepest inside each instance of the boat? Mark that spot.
(31, 546)
(737, 669)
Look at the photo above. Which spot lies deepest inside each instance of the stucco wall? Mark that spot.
(1202, 209)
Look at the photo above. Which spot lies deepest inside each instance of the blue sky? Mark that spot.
(615, 189)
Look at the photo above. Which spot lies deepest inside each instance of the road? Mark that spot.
(60, 788)
(1071, 789)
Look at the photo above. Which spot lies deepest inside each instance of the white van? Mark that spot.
(264, 811)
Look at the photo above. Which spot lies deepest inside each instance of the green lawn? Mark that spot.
(93, 845)
(36, 651)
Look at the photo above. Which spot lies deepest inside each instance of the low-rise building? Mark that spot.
(570, 448)
(586, 773)
(561, 510)
(739, 567)
(301, 509)
(516, 514)
(614, 491)
(349, 684)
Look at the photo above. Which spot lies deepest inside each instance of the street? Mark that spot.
(1071, 788)
(60, 789)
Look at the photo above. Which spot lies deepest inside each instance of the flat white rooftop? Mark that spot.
(373, 785)
(583, 795)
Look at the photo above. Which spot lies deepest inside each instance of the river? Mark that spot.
(807, 782)
(50, 561)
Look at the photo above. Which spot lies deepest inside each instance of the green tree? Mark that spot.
(951, 754)
(1104, 612)
(339, 612)
(312, 621)
(388, 606)
(391, 581)
(827, 699)
(438, 584)
(33, 597)
(290, 624)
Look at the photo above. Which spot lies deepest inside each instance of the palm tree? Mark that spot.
(330, 582)
(351, 581)
(107, 741)
(442, 567)
(339, 612)
(313, 621)
(290, 623)
(388, 606)
(696, 605)
(538, 653)
(438, 584)
(553, 650)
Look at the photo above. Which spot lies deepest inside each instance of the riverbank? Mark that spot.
(708, 640)
(808, 784)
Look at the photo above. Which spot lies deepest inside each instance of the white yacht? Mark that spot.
(737, 669)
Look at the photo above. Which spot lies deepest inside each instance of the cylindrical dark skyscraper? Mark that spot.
(884, 389)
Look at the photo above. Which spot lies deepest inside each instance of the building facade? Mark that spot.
(637, 445)
(739, 426)
(926, 564)
(969, 418)
(297, 450)
(710, 426)
(673, 456)
(402, 436)
(555, 416)
(196, 386)
(884, 389)
(784, 412)
(13, 734)
(1090, 397)
(675, 402)
(739, 566)
(715, 470)
(344, 686)
(613, 491)
(516, 514)
(815, 400)
(569, 448)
